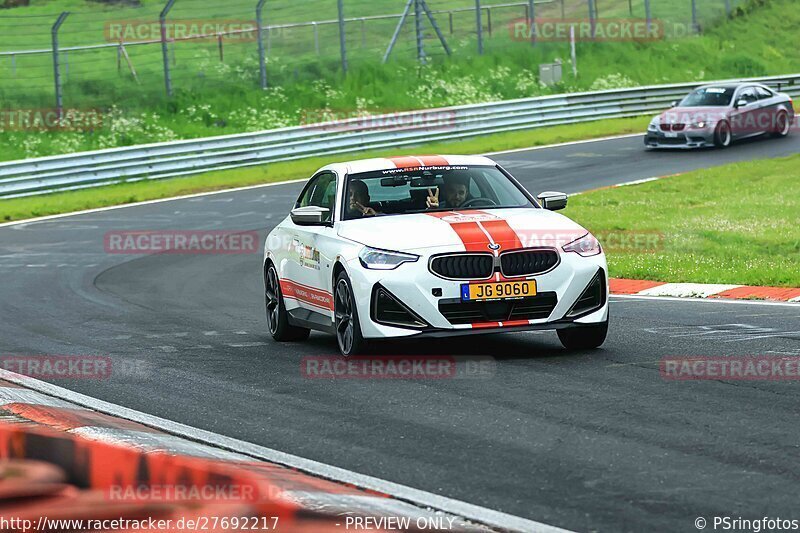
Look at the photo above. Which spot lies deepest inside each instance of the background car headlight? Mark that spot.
(653, 125)
(586, 246)
(376, 259)
(699, 124)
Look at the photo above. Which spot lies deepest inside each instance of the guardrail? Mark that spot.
(157, 161)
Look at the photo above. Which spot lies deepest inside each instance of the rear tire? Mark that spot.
(722, 135)
(783, 125)
(277, 315)
(584, 337)
(348, 326)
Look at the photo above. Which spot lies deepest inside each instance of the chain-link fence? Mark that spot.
(129, 55)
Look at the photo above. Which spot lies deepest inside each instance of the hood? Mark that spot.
(482, 230)
(692, 115)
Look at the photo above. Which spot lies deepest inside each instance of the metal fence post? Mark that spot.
(648, 15)
(695, 27)
(56, 67)
(262, 59)
(315, 27)
(162, 20)
(343, 35)
(479, 25)
(418, 29)
(489, 19)
(532, 20)
(592, 19)
(728, 7)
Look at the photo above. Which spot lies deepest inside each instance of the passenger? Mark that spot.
(359, 201)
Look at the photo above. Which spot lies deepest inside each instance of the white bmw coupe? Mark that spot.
(431, 246)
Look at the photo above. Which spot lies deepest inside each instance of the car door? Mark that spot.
(744, 117)
(303, 281)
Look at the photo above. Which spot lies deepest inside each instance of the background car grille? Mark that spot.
(463, 266)
(533, 308)
(528, 262)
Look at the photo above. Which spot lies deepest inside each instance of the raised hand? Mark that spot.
(433, 198)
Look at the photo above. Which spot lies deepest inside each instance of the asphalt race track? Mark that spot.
(585, 441)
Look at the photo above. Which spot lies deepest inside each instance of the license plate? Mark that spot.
(505, 290)
(671, 135)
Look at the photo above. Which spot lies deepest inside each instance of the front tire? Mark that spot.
(348, 327)
(722, 135)
(584, 337)
(277, 315)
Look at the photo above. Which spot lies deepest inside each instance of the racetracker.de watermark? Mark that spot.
(137, 31)
(584, 29)
(58, 366)
(50, 119)
(398, 367)
(189, 242)
(427, 120)
(744, 368)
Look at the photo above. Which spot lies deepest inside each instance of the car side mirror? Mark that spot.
(553, 201)
(311, 215)
(741, 103)
(675, 103)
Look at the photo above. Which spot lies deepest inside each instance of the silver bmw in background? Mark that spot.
(717, 115)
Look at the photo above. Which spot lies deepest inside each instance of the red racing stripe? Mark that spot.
(317, 298)
(433, 161)
(405, 161)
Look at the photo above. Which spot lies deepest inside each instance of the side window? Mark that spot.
(748, 94)
(320, 192)
(763, 93)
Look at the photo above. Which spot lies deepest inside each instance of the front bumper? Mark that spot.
(414, 286)
(691, 138)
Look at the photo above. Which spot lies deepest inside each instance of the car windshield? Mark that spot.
(426, 189)
(709, 96)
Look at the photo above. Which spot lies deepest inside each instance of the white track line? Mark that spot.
(251, 187)
(703, 300)
(492, 518)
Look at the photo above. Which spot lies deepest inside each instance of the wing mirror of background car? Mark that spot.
(553, 201)
(310, 215)
(675, 103)
(741, 103)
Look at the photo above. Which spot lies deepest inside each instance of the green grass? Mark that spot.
(23, 208)
(216, 97)
(732, 224)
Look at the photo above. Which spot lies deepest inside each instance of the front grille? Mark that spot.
(671, 140)
(528, 262)
(463, 266)
(673, 127)
(534, 308)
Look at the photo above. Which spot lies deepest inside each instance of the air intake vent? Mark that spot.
(593, 297)
(388, 310)
(463, 266)
(528, 262)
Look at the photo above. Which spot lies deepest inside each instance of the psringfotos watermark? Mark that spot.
(58, 366)
(181, 242)
(398, 367)
(51, 119)
(602, 29)
(427, 120)
(137, 31)
(752, 525)
(745, 368)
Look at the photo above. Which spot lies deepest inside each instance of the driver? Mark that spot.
(359, 201)
(455, 191)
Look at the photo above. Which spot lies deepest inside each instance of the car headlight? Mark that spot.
(586, 246)
(653, 125)
(699, 124)
(376, 259)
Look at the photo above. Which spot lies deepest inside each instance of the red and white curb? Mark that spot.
(312, 485)
(703, 290)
